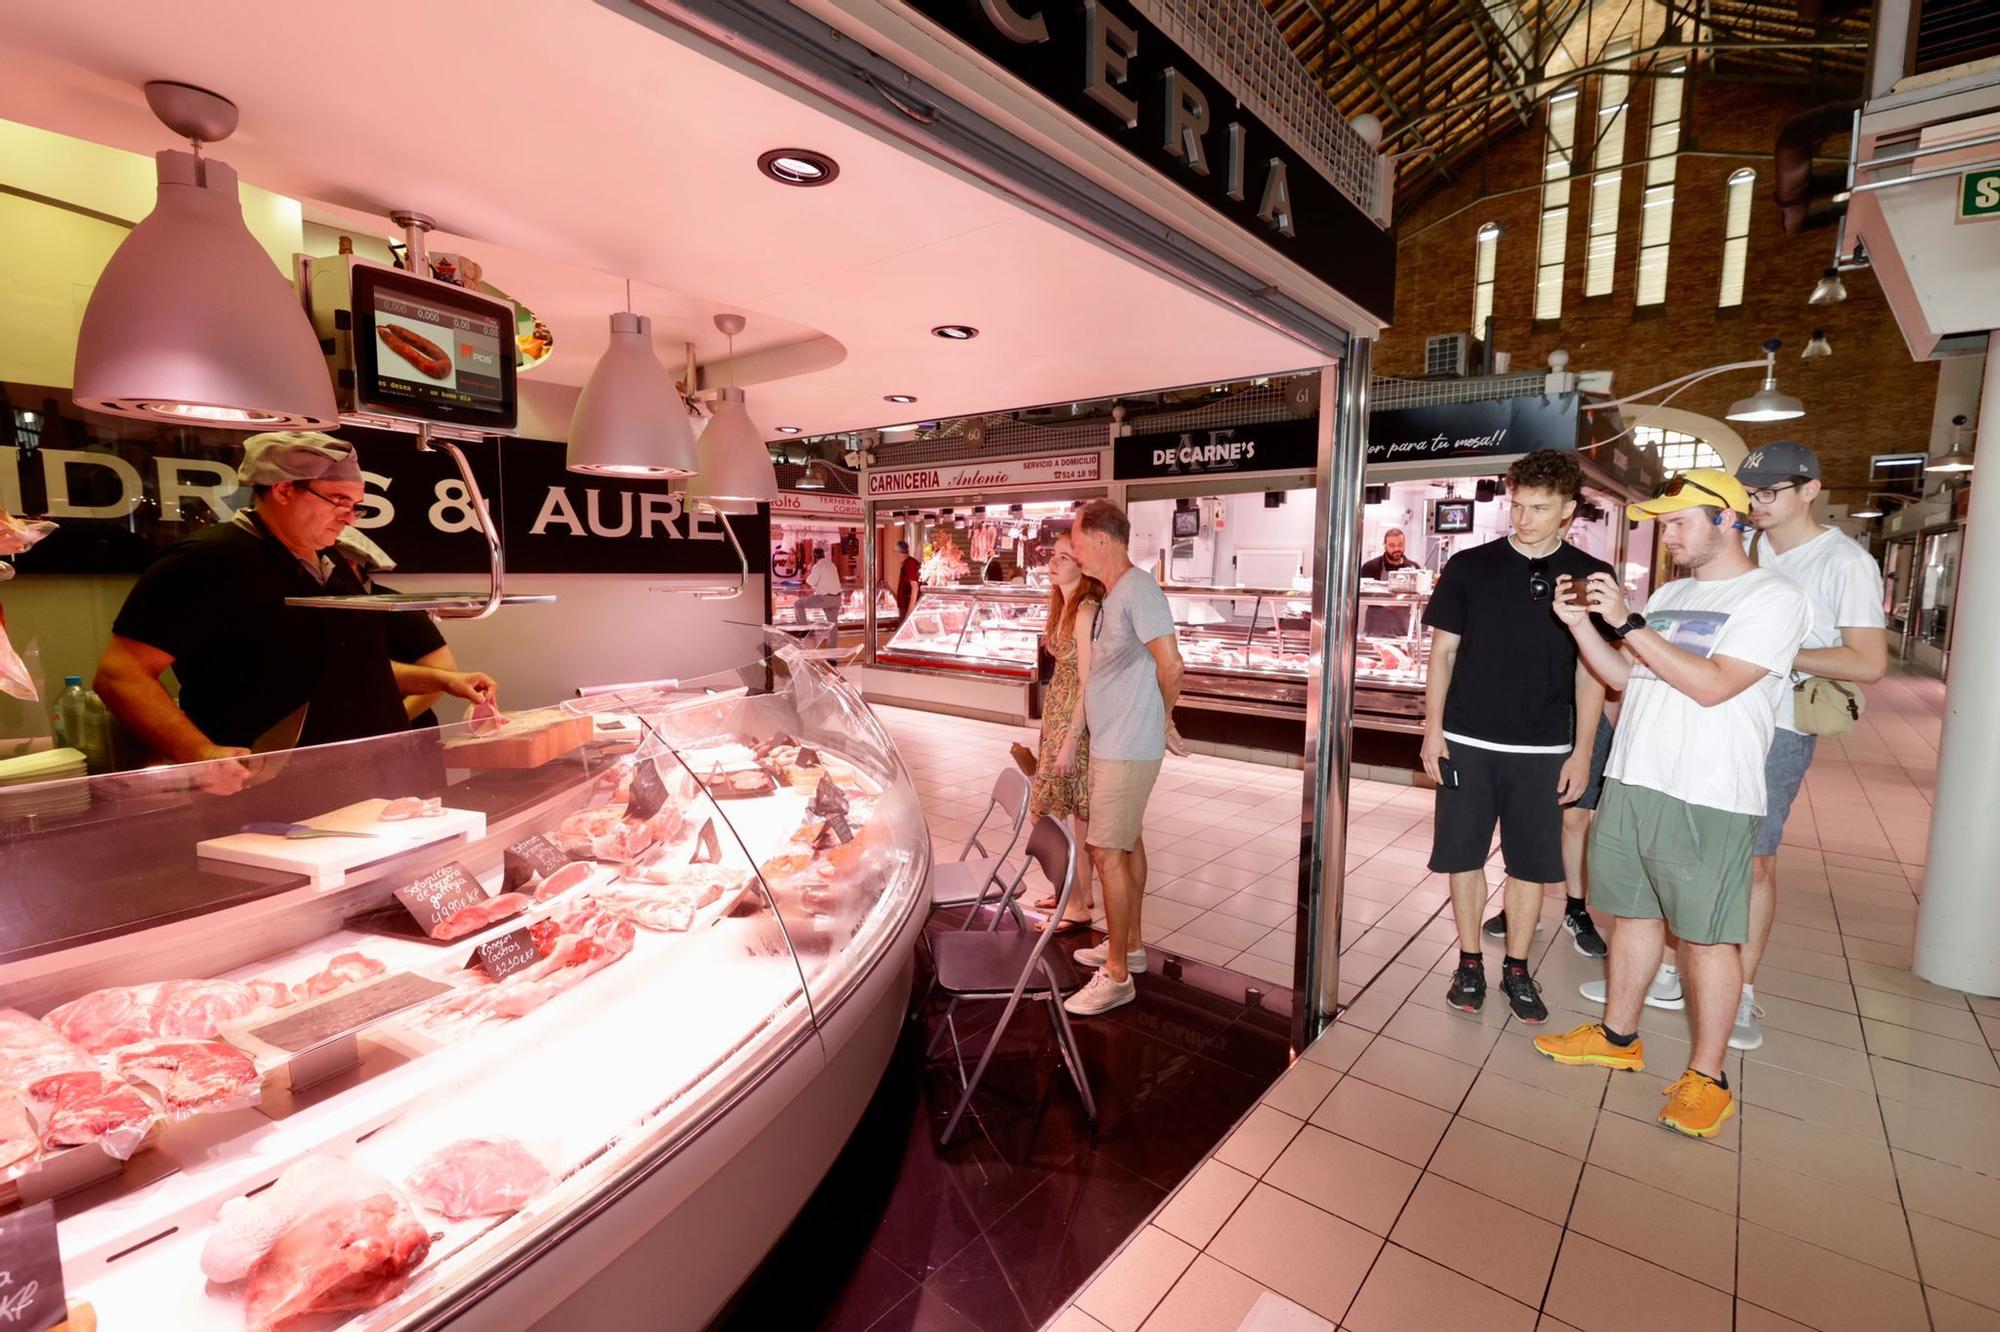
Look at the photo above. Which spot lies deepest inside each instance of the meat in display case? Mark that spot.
(992, 629)
(1391, 661)
(853, 610)
(560, 1017)
(1245, 648)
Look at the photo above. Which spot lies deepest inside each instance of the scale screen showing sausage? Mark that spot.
(428, 351)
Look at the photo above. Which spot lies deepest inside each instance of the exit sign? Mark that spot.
(1979, 194)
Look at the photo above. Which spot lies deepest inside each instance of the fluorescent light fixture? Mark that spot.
(630, 419)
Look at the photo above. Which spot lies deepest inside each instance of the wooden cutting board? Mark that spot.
(524, 742)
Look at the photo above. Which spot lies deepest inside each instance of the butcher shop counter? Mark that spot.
(558, 1047)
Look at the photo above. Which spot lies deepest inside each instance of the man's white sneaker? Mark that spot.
(1746, 1034)
(1664, 992)
(1101, 995)
(1098, 954)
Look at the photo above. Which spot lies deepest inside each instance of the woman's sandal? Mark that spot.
(1068, 923)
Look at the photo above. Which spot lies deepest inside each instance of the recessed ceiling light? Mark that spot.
(898, 397)
(798, 166)
(788, 430)
(956, 332)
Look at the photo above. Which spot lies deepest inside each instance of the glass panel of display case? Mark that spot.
(785, 608)
(991, 628)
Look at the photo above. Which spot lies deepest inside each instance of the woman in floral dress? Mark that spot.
(1062, 773)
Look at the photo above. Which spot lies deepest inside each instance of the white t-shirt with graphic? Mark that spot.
(1841, 581)
(1669, 743)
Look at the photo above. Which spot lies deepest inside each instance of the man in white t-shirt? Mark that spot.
(1703, 671)
(823, 579)
(1847, 642)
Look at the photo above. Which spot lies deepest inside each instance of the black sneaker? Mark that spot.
(1525, 995)
(1496, 926)
(1583, 935)
(1468, 989)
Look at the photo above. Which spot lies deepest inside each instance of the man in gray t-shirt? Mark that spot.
(1131, 684)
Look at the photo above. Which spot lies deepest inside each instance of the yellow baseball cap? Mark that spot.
(1692, 489)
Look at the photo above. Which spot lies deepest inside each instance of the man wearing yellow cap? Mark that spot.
(1703, 671)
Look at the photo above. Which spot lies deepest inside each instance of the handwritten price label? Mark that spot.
(31, 1278)
(511, 952)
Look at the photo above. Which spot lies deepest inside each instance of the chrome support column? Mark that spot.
(1343, 453)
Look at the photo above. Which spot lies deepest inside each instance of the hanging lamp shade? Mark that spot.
(630, 419)
(736, 472)
(192, 323)
(1767, 404)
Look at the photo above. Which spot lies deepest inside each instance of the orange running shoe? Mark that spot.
(1587, 1045)
(1697, 1105)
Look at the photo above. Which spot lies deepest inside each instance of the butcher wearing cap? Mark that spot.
(212, 607)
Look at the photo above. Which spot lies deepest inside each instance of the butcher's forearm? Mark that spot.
(143, 707)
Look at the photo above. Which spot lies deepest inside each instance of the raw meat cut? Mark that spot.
(179, 1009)
(272, 994)
(605, 833)
(340, 973)
(587, 938)
(80, 1108)
(195, 1075)
(564, 879)
(411, 807)
(246, 1228)
(31, 1050)
(350, 1255)
(18, 1141)
(479, 915)
(479, 1177)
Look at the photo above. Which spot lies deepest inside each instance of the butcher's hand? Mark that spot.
(1175, 745)
(1433, 749)
(220, 770)
(1574, 778)
(472, 686)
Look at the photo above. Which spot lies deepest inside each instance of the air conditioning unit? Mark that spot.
(1450, 355)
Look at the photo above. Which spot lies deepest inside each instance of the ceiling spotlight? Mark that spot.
(1818, 347)
(1767, 404)
(956, 332)
(190, 320)
(898, 397)
(788, 430)
(1829, 290)
(798, 166)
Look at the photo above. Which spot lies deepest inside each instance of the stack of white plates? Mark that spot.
(38, 784)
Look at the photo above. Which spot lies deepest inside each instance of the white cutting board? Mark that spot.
(327, 861)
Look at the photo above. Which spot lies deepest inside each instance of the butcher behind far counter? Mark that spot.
(212, 607)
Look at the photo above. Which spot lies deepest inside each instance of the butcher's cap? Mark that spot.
(296, 455)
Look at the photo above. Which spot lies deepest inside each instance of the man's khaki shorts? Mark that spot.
(1655, 857)
(1118, 792)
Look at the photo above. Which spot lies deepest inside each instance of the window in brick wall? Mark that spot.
(1736, 236)
(1656, 217)
(1485, 258)
(1556, 161)
(1677, 449)
(1613, 92)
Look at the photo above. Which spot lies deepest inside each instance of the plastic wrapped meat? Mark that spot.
(564, 879)
(195, 1075)
(605, 833)
(479, 1177)
(76, 1109)
(18, 1139)
(180, 1009)
(272, 994)
(31, 1050)
(479, 915)
(246, 1228)
(343, 971)
(349, 1255)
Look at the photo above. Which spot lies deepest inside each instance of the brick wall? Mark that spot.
(1869, 397)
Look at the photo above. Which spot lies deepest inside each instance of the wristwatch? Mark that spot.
(1632, 621)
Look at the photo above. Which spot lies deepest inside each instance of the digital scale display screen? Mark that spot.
(428, 351)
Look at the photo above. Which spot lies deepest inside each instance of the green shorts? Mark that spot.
(1654, 857)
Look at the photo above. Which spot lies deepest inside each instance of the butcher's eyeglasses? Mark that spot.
(339, 504)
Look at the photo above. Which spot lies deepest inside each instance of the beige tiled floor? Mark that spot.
(1432, 1170)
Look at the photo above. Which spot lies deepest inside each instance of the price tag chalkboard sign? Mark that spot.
(511, 952)
(834, 832)
(648, 791)
(707, 846)
(31, 1278)
(348, 1011)
(808, 757)
(440, 895)
(828, 798)
(530, 859)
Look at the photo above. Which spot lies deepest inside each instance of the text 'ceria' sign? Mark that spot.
(1979, 195)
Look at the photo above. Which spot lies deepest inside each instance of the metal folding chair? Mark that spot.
(1011, 966)
(972, 878)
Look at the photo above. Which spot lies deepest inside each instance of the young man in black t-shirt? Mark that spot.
(1509, 719)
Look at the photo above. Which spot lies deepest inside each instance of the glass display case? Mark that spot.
(1392, 654)
(987, 628)
(785, 612)
(1245, 647)
(384, 1031)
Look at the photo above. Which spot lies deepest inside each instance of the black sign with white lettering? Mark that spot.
(707, 846)
(648, 791)
(122, 495)
(440, 895)
(31, 1277)
(1502, 426)
(511, 952)
(530, 859)
(1110, 67)
(1276, 446)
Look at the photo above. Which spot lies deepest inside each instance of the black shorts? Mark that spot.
(1518, 791)
(1600, 754)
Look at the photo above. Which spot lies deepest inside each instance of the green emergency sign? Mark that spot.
(1979, 194)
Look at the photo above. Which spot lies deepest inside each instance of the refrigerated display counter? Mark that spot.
(561, 1018)
(853, 608)
(989, 629)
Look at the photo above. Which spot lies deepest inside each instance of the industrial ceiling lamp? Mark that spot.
(814, 477)
(191, 322)
(1959, 460)
(736, 473)
(1767, 404)
(630, 419)
(1817, 347)
(1829, 290)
